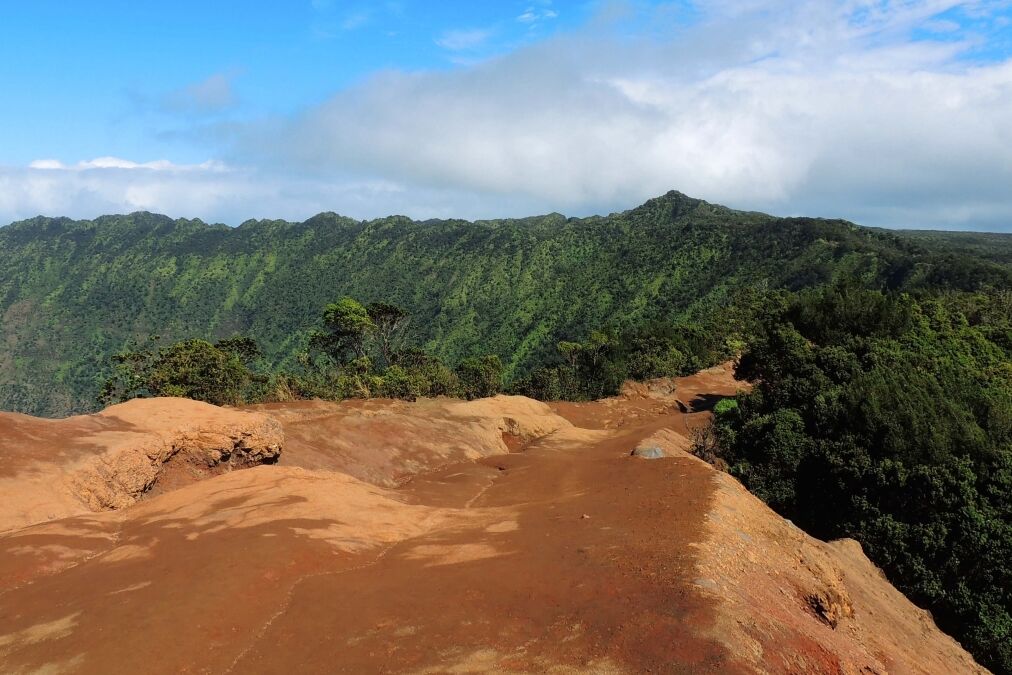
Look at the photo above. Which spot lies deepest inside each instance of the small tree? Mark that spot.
(480, 376)
(129, 376)
(197, 369)
(189, 369)
(346, 324)
(245, 348)
(571, 351)
(598, 346)
(398, 383)
(430, 376)
(390, 322)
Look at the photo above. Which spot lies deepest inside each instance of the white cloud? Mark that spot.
(47, 164)
(537, 13)
(331, 19)
(824, 108)
(941, 26)
(355, 20)
(114, 185)
(215, 192)
(818, 108)
(458, 40)
(119, 163)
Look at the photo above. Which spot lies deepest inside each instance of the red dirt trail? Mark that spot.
(498, 535)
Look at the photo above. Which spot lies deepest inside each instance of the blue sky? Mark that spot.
(94, 79)
(894, 113)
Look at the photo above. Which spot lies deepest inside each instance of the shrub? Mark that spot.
(191, 369)
(480, 377)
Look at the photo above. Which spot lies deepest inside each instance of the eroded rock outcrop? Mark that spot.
(58, 468)
(178, 441)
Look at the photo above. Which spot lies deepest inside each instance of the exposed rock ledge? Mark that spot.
(58, 468)
(183, 441)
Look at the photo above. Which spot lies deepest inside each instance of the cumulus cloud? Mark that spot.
(115, 185)
(827, 108)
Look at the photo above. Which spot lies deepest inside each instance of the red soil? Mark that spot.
(456, 537)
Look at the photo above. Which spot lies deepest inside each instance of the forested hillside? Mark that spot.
(988, 245)
(73, 293)
(888, 418)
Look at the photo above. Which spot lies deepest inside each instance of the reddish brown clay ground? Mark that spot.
(498, 535)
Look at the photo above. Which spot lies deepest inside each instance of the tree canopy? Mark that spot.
(888, 418)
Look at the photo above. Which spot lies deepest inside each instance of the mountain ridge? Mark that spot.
(671, 195)
(73, 293)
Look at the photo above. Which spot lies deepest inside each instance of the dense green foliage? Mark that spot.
(72, 294)
(356, 352)
(218, 373)
(888, 419)
(987, 245)
(597, 367)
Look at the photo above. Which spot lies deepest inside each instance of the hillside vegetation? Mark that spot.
(988, 245)
(74, 293)
(888, 419)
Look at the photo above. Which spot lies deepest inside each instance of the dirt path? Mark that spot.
(569, 572)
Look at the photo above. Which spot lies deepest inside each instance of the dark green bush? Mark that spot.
(480, 376)
(886, 418)
(191, 369)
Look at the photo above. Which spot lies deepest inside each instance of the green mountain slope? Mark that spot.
(988, 245)
(74, 292)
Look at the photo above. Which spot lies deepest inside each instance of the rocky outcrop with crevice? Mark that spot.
(60, 468)
(187, 449)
